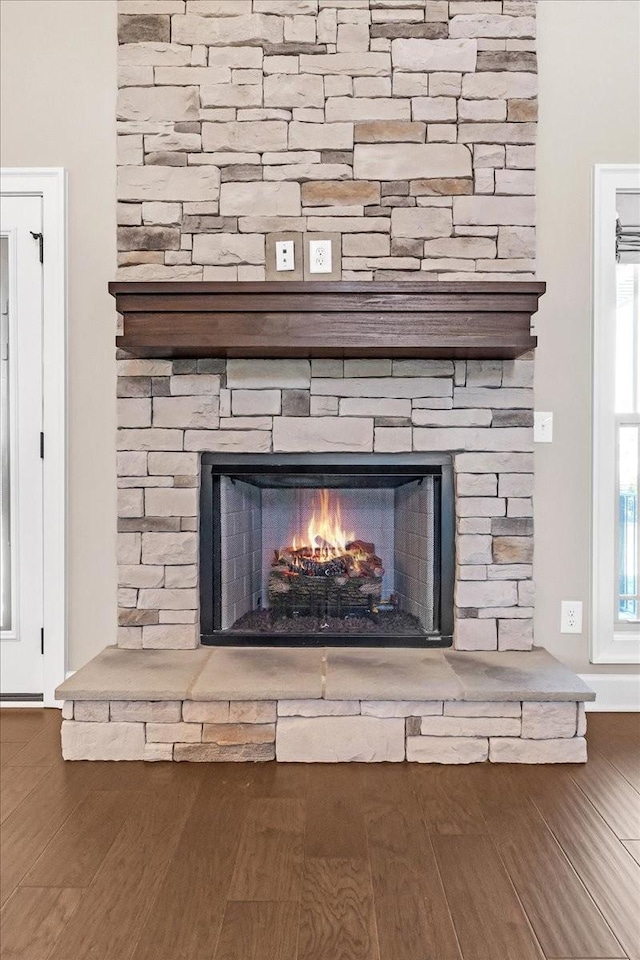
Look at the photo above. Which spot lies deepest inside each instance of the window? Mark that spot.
(616, 416)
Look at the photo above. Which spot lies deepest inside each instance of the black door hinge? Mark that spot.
(41, 445)
(42, 640)
(40, 238)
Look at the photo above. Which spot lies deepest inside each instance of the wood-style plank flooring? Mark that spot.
(133, 861)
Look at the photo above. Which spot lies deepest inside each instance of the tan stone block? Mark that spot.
(102, 741)
(212, 752)
(521, 157)
(516, 182)
(227, 31)
(378, 407)
(445, 84)
(322, 434)
(322, 193)
(491, 25)
(130, 503)
(172, 548)
(262, 199)
(252, 711)
(93, 711)
(367, 108)
(326, 224)
(195, 412)
(170, 636)
(153, 599)
(434, 55)
(143, 711)
(513, 550)
(466, 726)
(67, 710)
(228, 441)
(473, 634)
(478, 708)
(390, 131)
(320, 136)
(171, 502)
(421, 222)
(400, 708)
(339, 739)
(293, 90)
(509, 211)
(158, 103)
(128, 551)
(515, 634)
(227, 248)
(495, 593)
(433, 108)
(395, 161)
(231, 95)
(447, 749)
(138, 575)
(154, 752)
(169, 464)
(352, 64)
(318, 708)
(392, 439)
(582, 720)
(549, 720)
(249, 136)
(519, 750)
(410, 84)
(514, 242)
(263, 374)
(205, 711)
(503, 85)
(497, 132)
(238, 733)
(174, 732)
(168, 183)
(129, 638)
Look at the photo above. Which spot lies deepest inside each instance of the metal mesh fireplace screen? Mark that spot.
(305, 552)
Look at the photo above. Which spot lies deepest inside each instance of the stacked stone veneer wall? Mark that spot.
(325, 731)
(171, 411)
(403, 128)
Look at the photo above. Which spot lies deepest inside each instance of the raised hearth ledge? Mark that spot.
(324, 705)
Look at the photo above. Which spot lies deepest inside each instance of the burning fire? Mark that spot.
(326, 537)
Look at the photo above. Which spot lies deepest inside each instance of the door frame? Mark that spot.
(51, 184)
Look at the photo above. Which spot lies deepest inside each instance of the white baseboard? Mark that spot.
(615, 692)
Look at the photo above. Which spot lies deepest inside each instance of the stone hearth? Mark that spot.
(324, 705)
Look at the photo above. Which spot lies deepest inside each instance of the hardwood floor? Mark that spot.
(136, 861)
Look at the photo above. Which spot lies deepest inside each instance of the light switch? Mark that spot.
(542, 426)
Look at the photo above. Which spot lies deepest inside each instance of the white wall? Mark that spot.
(58, 91)
(58, 109)
(589, 55)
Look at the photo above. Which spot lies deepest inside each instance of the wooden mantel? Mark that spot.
(475, 320)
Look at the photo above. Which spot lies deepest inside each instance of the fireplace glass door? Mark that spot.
(318, 551)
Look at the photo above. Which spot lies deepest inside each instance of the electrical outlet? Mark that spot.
(285, 259)
(571, 616)
(320, 260)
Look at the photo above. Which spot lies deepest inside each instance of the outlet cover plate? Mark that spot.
(336, 256)
(571, 616)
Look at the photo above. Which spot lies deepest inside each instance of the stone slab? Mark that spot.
(117, 674)
(102, 741)
(339, 740)
(379, 674)
(515, 675)
(519, 750)
(260, 673)
(447, 749)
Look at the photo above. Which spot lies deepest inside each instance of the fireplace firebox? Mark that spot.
(315, 550)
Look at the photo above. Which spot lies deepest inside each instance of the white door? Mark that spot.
(21, 675)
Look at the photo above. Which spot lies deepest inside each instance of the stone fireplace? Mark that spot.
(403, 133)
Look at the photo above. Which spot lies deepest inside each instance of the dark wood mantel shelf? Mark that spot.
(475, 320)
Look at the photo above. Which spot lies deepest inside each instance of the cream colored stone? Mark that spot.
(130, 503)
(171, 502)
(212, 752)
(263, 374)
(319, 708)
(406, 161)
(474, 549)
(479, 708)
(321, 136)
(367, 108)
(379, 407)
(434, 55)
(582, 721)
(146, 711)
(139, 575)
(447, 749)
(400, 708)
(260, 199)
(497, 132)
(154, 752)
(506, 85)
(488, 25)
(170, 636)
(252, 711)
(168, 183)
(174, 732)
(433, 108)
(392, 439)
(172, 548)
(228, 441)
(247, 136)
(466, 726)
(351, 64)
(67, 710)
(128, 551)
(494, 210)
(238, 733)
(322, 434)
(339, 739)
(249, 403)
(227, 31)
(396, 386)
(231, 95)
(548, 721)
(517, 242)
(228, 248)
(515, 634)
(102, 741)
(212, 711)
(293, 90)
(196, 412)
(494, 593)
(158, 103)
(153, 54)
(519, 750)
(93, 711)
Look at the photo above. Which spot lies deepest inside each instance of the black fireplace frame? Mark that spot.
(216, 465)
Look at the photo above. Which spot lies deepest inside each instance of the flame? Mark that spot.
(326, 536)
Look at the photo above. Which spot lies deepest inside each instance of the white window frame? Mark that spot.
(51, 184)
(608, 645)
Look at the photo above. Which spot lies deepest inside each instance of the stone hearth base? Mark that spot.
(324, 705)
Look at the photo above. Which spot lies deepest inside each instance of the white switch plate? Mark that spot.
(285, 258)
(542, 426)
(320, 256)
(571, 616)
